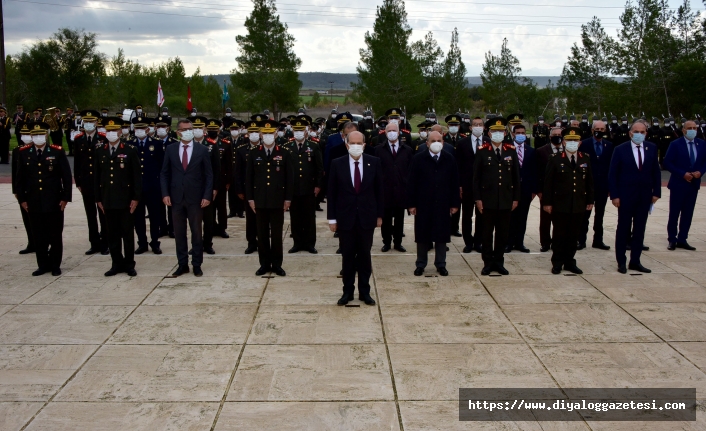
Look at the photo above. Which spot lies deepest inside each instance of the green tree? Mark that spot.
(429, 55)
(266, 75)
(388, 75)
(453, 91)
(502, 80)
(315, 100)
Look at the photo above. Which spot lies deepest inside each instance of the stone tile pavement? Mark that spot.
(232, 351)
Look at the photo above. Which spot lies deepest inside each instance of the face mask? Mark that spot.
(112, 136)
(89, 126)
(150, 130)
(671, 122)
(254, 137)
(556, 140)
(104, 115)
(101, 130)
(280, 134)
(625, 122)
(558, 123)
(140, 133)
(78, 117)
(165, 114)
(541, 121)
(213, 134)
(520, 138)
(26, 139)
(299, 135)
(394, 121)
(268, 139)
(597, 134)
(615, 121)
(497, 137)
(228, 114)
(198, 133)
(392, 135)
(39, 139)
(436, 147)
(139, 111)
(477, 131)
(402, 119)
(187, 135)
(355, 150)
(572, 146)
(193, 114)
(333, 116)
(368, 117)
(655, 124)
(313, 134)
(638, 138)
(234, 133)
(423, 135)
(453, 129)
(289, 127)
(161, 132)
(690, 134)
(584, 121)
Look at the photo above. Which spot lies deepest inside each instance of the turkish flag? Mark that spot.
(189, 106)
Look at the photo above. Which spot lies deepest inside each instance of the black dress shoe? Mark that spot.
(90, 251)
(181, 270)
(131, 272)
(447, 248)
(312, 250)
(250, 250)
(400, 248)
(638, 267)
(486, 270)
(241, 215)
(645, 248)
(501, 269)
(294, 249)
(197, 271)
(38, 272)
(622, 269)
(628, 247)
(105, 252)
(385, 248)
(468, 249)
(318, 208)
(191, 252)
(508, 248)
(209, 250)
(262, 271)
(556, 269)
(56, 272)
(478, 249)
(685, 245)
(338, 250)
(442, 272)
(171, 234)
(418, 271)
(600, 245)
(225, 235)
(458, 233)
(140, 250)
(522, 248)
(672, 246)
(112, 271)
(156, 250)
(573, 268)
(367, 299)
(231, 215)
(279, 271)
(545, 248)
(581, 246)
(345, 299)
(27, 250)
(335, 234)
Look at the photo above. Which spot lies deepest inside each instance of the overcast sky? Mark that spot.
(328, 34)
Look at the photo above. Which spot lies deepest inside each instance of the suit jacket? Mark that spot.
(44, 181)
(465, 157)
(626, 182)
(496, 182)
(395, 173)
(118, 179)
(192, 185)
(528, 172)
(345, 205)
(151, 160)
(331, 142)
(541, 160)
(678, 163)
(599, 165)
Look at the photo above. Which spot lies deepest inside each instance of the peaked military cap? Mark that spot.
(199, 121)
(497, 123)
(253, 126)
(300, 124)
(393, 112)
(39, 128)
(112, 123)
(268, 126)
(89, 114)
(515, 118)
(571, 134)
(140, 122)
(213, 124)
(453, 119)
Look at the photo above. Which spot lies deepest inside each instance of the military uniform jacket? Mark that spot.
(85, 161)
(20, 120)
(242, 153)
(308, 167)
(496, 182)
(540, 132)
(5, 125)
(567, 189)
(453, 140)
(151, 154)
(224, 151)
(118, 179)
(268, 180)
(45, 181)
(215, 164)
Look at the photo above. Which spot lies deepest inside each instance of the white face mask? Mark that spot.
(497, 137)
(280, 133)
(625, 122)
(436, 147)
(165, 114)
(187, 135)
(423, 135)
(126, 131)
(355, 150)
(150, 130)
(140, 133)
(112, 136)
(333, 116)
(572, 146)
(289, 127)
(402, 119)
(584, 121)
(234, 133)
(26, 139)
(39, 139)
(393, 121)
(655, 124)
(392, 135)
(268, 139)
(453, 129)
(193, 114)
(313, 134)
(477, 131)
(368, 117)
(89, 126)
(101, 130)
(254, 137)
(198, 133)
(228, 114)
(541, 121)
(558, 123)
(299, 135)
(162, 132)
(615, 121)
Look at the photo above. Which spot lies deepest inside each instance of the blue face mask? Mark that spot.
(520, 138)
(690, 134)
(638, 138)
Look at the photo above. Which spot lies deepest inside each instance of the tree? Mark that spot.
(266, 75)
(454, 94)
(388, 75)
(428, 56)
(501, 80)
(315, 100)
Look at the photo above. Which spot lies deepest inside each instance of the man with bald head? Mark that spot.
(355, 208)
(600, 150)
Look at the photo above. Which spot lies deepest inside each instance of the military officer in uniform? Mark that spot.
(568, 194)
(66, 126)
(5, 136)
(164, 139)
(496, 188)
(540, 132)
(308, 168)
(43, 190)
(223, 151)
(453, 121)
(667, 135)
(20, 119)
(621, 134)
(199, 124)
(228, 119)
(380, 131)
(613, 128)
(118, 185)
(423, 129)
(25, 139)
(151, 155)
(235, 204)
(585, 127)
(242, 154)
(269, 191)
(366, 126)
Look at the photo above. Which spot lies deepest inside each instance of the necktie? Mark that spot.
(185, 158)
(639, 158)
(268, 154)
(356, 178)
(692, 156)
(394, 151)
(300, 148)
(520, 154)
(599, 149)
(39, 153)
(436, 158)
(573, 162)
(112, 151)
(497, 153)
(477, 142)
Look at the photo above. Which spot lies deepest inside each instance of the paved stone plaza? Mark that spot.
(233, 351)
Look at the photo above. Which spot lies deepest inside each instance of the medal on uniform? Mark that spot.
(277, 169)
(151, 147)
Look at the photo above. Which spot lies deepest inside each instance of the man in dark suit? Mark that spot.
(433, 195)
(528, 189)
(25, 142)
(355, 208)
(686, 161)
(635, 184)
(187, 187)
(395, 159)
(209, 212)
(252, 140)
(600, 151)
(543, 154)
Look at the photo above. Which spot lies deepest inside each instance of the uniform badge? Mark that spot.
(151, 147)
(277, 169)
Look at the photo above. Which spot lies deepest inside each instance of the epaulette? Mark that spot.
(211, 141)
(105, 147)
(259, 147)
(380, 132)
(277, 147)
(508, 147)
(290, 139)
(56, 147)
(463, 135)
(486, 145)
(563, 154)
(225, 140)
(314, 139)
(100, 134)
(79, 135)
(25, 147)
(404, 130)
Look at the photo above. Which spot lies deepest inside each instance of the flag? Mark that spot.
(226, 96)
(160, 94)
(189, 106)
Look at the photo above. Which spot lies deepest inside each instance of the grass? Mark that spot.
(324, 98)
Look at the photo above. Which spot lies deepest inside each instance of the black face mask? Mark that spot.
(212, 135)
(556, 140)
(597, 134)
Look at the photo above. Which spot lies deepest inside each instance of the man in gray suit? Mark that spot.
(187, 187)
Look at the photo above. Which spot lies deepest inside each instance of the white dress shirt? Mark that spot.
(189, 150)
(396, 144)
(351, 163)
(556, 149)
(689, 148)
(642, 152)
(477, 142)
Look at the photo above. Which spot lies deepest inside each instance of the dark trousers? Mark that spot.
(662, 151)
(209, 221)
(393, 226)
(566, 230)
(518, 222)
(153, 204)
(220, 212)
(422, 254)
(170, 221)
(468, 205)
(69, 142)
(235, 204)
(5, 149)
(599, 208)
(121, 236)
(631, 214)
(455, 219)
(47, 230)
(251, 226)
(681, 203)
(303, 218)
(498, 222)
(545, 227)
(97, 238)
(355, 251)
(194, 214)
(270, 222)
(28, 229)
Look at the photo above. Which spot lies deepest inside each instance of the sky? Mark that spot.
(328, 33)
